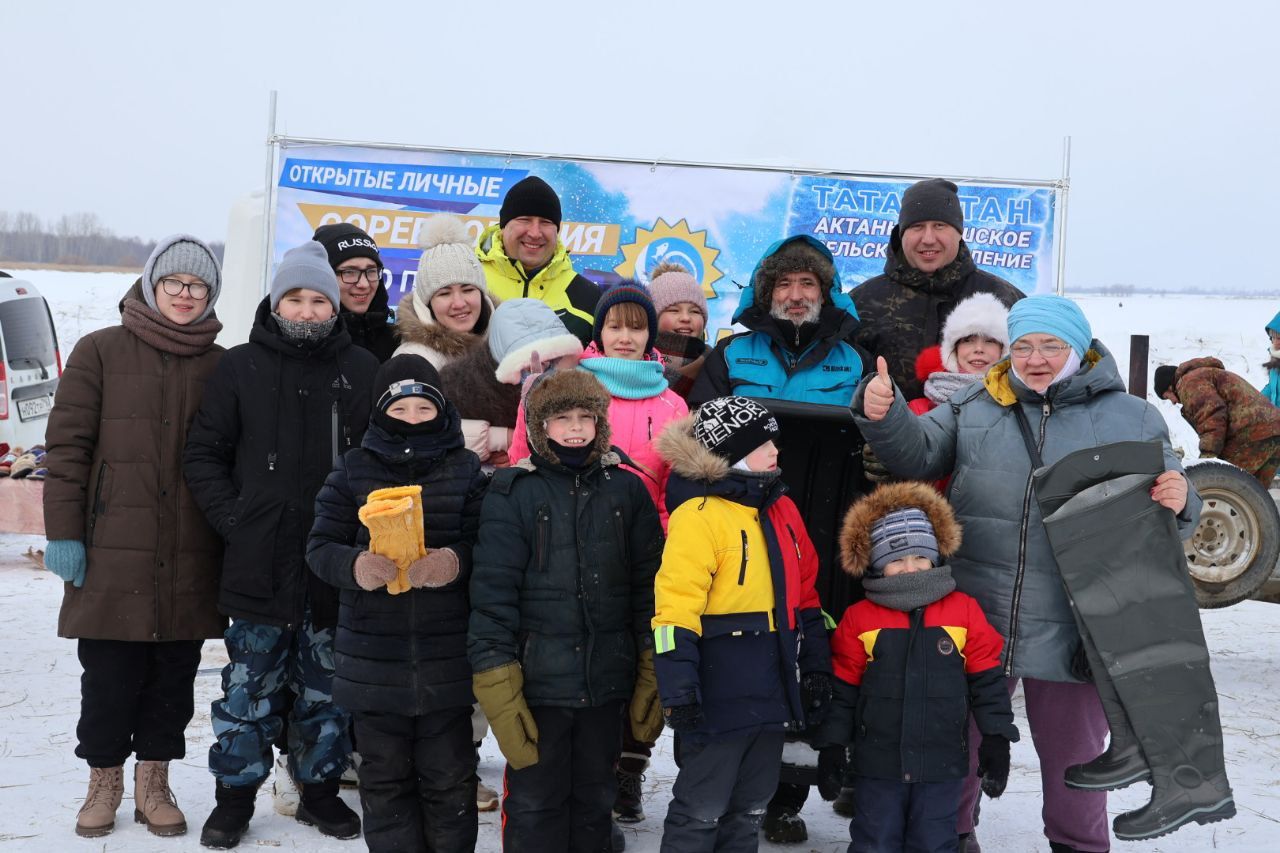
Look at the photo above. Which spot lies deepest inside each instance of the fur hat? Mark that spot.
(627, 290)
(343, 241)
(558, 391)
(932, 200)
(733, 427)
(182, 253)
(856, 546)
(305, 266)
(448, 257)
(795, 255)
(1164, 379)
(979, 314)
(521, 327)
(670, 283)
(530, 197)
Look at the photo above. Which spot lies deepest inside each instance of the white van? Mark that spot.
(30, 363)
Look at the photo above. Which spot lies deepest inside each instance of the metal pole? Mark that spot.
(268, 193)
(1139, 348)
(1064, 187)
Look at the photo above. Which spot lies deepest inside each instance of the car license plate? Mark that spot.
(36, 407)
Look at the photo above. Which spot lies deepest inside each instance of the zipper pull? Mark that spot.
(271, 461)
(651, 427)
(1046, 408)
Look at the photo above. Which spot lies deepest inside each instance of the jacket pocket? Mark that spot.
(542, 538)
(99, 506)
(249, 560)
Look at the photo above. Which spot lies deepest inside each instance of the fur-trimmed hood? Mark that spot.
(686, 455)
(855, 533)
(559, 391)
(434, 342)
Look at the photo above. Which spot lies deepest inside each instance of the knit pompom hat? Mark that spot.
(671, 283)
(448, 257)
(980, 314)
(626, 291)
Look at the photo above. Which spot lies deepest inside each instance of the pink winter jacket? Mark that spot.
(635, 420)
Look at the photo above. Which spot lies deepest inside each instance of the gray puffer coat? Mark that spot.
(1005, 561)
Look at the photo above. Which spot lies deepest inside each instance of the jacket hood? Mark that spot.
(1098, 373)
(1274, 325)
(1195, 364)
(855, 533)
(428, 333)
(267, 333)
(686, 455)
(215, 287)
(401, 448)
(559, 391)
(698, 473)
(834, 296)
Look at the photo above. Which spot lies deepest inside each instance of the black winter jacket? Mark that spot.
(903, 310)
(373, 330)
(403, 653)
(275, 417)
(563, 579)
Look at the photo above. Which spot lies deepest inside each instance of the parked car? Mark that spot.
(30, 363)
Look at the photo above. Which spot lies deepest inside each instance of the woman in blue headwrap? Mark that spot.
(1065, 388)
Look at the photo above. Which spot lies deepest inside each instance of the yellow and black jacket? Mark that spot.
(573, 297)
(737, 620)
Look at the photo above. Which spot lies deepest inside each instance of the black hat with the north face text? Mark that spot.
(732, 427)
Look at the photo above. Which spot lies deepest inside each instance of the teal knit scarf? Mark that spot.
(630, 380)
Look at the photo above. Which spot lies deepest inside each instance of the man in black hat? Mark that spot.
(928, 271)
(355, 260)
(522, 256)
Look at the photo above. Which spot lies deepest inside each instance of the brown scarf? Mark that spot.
(164, 334)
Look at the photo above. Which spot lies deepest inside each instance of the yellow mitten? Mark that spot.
(394, 519)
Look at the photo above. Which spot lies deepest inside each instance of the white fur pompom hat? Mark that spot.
(979, 314)
(448, 257)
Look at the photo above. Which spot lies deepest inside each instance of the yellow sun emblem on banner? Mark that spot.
(673, 244)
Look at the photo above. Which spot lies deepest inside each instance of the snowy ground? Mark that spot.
(39, 689)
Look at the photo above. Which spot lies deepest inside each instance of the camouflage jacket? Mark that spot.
(1231, 417)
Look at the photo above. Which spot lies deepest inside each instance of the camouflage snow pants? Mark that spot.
(266, 663)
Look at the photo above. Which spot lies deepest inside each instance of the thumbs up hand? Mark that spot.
(878, 397)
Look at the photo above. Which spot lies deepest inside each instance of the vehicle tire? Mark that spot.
(1236, 545)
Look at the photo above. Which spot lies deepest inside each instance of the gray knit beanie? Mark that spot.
(182, 253)
(305, 266)
(902, 533)
(448, 257)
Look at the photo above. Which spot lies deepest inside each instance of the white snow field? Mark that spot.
(42, 781)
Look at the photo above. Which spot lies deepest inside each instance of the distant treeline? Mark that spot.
(1132, 290)
(74, 239)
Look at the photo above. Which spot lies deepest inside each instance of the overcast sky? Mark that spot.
(153, 115)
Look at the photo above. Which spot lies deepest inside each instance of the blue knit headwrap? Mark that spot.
(1046, 314)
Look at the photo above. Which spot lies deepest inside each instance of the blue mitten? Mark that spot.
(65, 558)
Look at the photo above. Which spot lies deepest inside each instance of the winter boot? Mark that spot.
(284, 791)
(153, 801)
(486, 797)
(97, 816)
(322, 808)
(783, 825)
(617, 841)
(627, 805)
(1122, 763)
(229, 820)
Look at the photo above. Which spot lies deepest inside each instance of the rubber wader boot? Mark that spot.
(1123, 564)
(1122, 763)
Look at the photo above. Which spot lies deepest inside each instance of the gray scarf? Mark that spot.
(909, 591)
(943, 383)
(296, 330)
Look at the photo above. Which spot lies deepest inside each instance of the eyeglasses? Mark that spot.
(352, 276)
(197, 289)
(1024, 350)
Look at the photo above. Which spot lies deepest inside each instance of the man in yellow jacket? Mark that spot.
(522, 256)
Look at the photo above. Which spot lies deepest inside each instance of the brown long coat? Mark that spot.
(114, 440)
(1231, 417)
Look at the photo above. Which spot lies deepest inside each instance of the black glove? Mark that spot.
(683, 718)
(815, 695)
(872, 467)
(993, 764)
(832, 761)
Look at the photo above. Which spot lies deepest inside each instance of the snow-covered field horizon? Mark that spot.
(39, 694)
